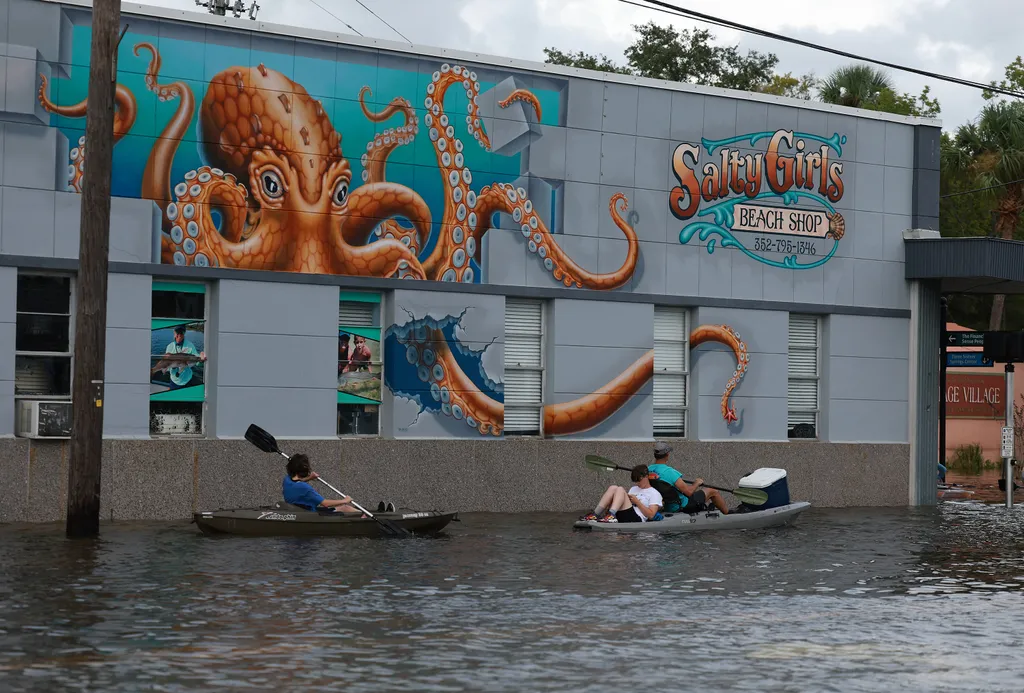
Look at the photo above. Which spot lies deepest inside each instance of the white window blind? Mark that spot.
(356, 314)
(670, 370)
(524, 364)
(803, 370)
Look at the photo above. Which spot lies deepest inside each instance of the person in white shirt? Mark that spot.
(640, 504)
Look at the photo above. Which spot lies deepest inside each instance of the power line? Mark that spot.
(977, 190)
(690, 14)
(386, 24)
(335, 16)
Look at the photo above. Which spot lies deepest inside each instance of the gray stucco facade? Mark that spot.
(607, 379)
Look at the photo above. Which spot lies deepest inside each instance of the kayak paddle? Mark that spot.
(750, 496)
(267, 443)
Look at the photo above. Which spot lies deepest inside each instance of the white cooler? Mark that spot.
(771, 481)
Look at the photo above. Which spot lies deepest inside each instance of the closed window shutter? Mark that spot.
(356, 314)
(670, 370)
(803, 370)
(524, 334)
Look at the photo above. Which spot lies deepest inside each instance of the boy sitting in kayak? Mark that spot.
(297, 490)
(641, 504)
(678, 495)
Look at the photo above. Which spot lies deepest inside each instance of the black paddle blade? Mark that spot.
(391, 528)
(261, 439)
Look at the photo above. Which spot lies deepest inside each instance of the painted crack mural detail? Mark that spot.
(429, 365)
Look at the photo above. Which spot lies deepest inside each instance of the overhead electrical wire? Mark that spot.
(335, 16)
(977, 190)
(381, 19)
(667, 8)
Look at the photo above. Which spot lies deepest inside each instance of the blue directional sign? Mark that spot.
(967, 359)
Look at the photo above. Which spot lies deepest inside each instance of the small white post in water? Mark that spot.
(1007, 451)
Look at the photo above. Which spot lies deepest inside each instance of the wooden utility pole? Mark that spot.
(83, 509)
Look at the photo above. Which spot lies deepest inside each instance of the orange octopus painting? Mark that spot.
(276, 191)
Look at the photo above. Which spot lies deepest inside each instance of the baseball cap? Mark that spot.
(661, 449)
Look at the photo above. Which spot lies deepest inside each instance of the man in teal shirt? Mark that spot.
(682, 497)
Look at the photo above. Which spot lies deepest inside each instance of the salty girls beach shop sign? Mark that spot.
(798, 175)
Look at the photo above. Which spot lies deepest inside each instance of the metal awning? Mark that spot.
(978, 265)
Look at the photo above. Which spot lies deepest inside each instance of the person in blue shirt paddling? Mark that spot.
(678, 495)
(297, 490)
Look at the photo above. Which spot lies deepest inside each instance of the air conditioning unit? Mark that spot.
(43, 419)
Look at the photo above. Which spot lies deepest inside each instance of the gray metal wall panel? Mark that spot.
(866, 379)
(276, 354)
(760, 398)
(278, 309)
(8, 313)
(866, 421)
(593, 343)
(870, 379)
(864, 336)
(287, 412)
(127, 362)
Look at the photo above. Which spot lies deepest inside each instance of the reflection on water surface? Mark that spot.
(846, 600)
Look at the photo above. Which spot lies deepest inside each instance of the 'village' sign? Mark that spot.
(975, 396)
(786, 173)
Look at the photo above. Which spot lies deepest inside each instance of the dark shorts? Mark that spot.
(628, 515)
(697, 503)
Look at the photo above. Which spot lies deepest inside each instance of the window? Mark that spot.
(671, 366)
(44, 335)
(177, 372)
(524, 366)
(360, 365)
(803, 376)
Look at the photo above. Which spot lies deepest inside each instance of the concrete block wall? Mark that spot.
(171, 479)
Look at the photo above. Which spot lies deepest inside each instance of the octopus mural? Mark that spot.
(435, 356)
(277, 178)
(275, 191)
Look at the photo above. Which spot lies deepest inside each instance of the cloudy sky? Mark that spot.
(973, 40)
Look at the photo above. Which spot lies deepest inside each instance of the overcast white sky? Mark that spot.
(972, 39)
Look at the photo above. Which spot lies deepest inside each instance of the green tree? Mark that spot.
(988, 155)
(862, 86)
(601, 63)
(680, 56)
(1014, 80)
(788, 85)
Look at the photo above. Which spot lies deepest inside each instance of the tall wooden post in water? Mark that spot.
(83, 509)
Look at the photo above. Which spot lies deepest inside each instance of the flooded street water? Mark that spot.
(845, 600)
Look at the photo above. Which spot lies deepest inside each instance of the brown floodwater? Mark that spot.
(927, 599)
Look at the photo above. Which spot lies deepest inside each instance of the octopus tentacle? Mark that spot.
(588, 411)
(125, 112)
(366, 206)
(192, 237)
(377, 152)
(450, 386)
(156, 179)
(506, 198)
(724, 334)
(524, 96)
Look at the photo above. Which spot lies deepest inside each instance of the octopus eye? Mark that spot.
(271, 183)
(340, 195)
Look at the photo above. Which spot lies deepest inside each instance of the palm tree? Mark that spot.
(991, 152)
(854, 85)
